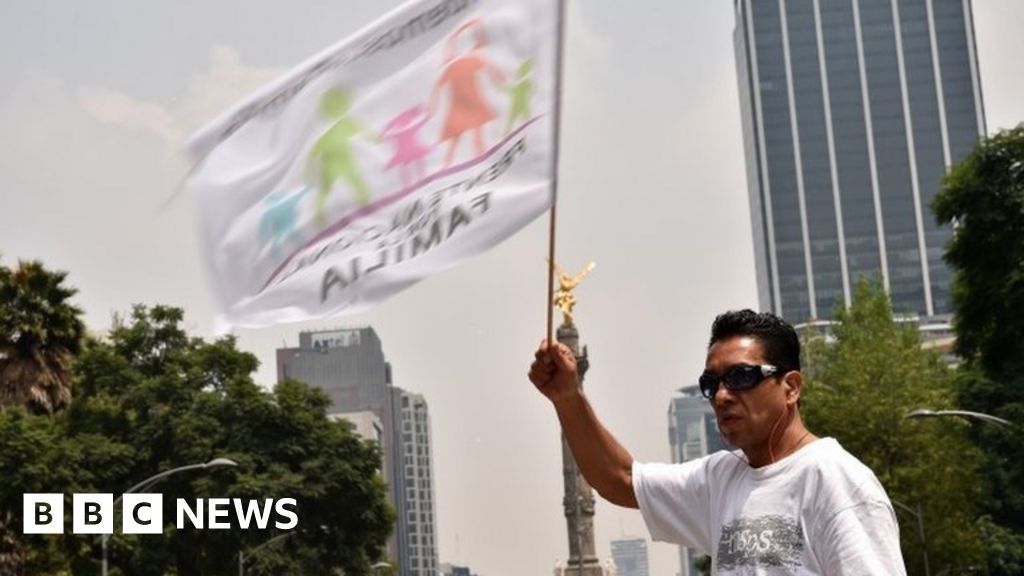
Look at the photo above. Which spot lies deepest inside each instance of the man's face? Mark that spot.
(745, 417)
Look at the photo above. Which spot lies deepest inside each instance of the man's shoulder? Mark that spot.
(841, 476)
(828, 454)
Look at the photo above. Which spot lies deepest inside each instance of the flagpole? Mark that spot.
(560, 58)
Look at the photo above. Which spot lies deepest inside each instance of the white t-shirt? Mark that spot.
(817, 511)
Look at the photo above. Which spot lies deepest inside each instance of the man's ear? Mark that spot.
(793, 382)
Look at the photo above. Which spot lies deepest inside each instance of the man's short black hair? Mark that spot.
(778, 339)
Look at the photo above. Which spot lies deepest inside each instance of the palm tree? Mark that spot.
(40, 333)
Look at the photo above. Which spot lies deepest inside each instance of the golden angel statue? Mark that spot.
(564, 299)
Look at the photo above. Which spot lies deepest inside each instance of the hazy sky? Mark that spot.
(96, 98)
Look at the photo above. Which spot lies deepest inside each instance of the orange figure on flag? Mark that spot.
(468, 110)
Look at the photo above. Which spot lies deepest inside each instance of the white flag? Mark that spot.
(423, 139)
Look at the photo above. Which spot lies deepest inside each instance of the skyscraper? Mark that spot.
(349, 366)
(692, 433)
(852, 111)
(630, 555)
(417, 529)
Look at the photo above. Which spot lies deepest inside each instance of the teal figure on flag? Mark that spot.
(332, 154)
(278, 224)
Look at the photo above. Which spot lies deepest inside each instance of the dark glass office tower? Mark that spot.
(852, 112)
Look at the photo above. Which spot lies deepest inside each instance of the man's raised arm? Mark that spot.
(605, 464)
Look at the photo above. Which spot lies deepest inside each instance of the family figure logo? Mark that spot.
(425, 138)
(333, 166)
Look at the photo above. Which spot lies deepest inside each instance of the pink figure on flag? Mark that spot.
(403, 132)
(468, 110)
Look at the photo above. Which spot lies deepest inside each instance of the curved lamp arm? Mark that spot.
(153, 480)
(158, 477)
(926, 413)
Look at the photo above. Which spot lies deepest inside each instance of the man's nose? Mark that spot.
(723, 395)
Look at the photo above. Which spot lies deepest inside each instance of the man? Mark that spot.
(786, 502)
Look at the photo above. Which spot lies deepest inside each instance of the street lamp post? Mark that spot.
(927, 413)
(919, 516)
(148, 482)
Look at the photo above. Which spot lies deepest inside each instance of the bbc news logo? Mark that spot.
(143, 513)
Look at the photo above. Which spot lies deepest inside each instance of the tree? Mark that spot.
(150, 398)
(983, 196)
(704, 565)
(36, 456)
(27, 453)
(174, 400)
(860, 388)
(40, 332)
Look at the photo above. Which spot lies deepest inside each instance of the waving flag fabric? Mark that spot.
(423, 139)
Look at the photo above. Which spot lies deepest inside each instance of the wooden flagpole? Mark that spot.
(560, 58)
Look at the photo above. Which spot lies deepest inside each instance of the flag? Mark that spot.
(423, 139)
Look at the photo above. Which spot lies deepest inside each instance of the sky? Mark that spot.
(97, 97)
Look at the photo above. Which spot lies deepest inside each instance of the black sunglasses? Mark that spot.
(737, 378)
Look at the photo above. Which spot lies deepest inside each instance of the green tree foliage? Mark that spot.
(1004, 548)
(984, 197)
(150, 398)
(40, 332)
(860, 388)
(704, 565)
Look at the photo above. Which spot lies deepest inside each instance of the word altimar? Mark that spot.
(143, 513)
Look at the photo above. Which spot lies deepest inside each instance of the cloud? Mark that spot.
(226, 80)
(82, 193)
(120, 109)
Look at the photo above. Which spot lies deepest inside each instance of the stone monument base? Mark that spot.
(591, 567)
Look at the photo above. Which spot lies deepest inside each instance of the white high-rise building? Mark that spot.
(418, 529)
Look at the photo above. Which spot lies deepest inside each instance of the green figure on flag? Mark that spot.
(520, 92)
(332, 154)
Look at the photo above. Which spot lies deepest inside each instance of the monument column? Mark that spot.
(578, 501)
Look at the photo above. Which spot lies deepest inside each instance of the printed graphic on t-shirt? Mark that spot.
(765, 541)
